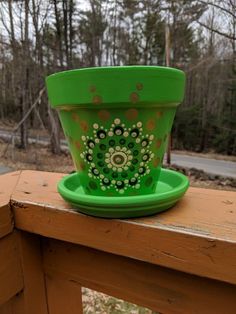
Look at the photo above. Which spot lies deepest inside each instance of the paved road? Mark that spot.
(213, 166)
(4, 169)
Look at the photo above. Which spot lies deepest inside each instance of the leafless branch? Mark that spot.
(229, 36)
(24, 118)
(213, 4)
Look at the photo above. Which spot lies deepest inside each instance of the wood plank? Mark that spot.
(197, 236)
(63, 296)
(11, 278)
(34, 294)
(155, 287)
(6, 308)
(7, 184)
(6, 221)
(13, 306)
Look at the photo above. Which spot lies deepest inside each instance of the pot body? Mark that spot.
(117, 121)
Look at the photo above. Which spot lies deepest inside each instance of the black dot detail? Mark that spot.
(91, 144)
(124, 174)
(142, 170)
(93, 185)
(146, 157)
(106, 170)
(95, 171)
(102, 147)
(122, 141)
(106, 181)
(134, 133)
(135, 152)
(118, 130)
(134, 161)
(89, 157)
(133, 181)
(131, 145)
(101, 134)
(112, 143)
(144, 142)
(114, 175)
(101, 164)
(120, 184)
(131, 168)
(99, 155)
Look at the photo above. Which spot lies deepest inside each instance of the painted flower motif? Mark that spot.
(119, 156)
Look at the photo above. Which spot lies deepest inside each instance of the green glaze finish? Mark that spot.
(119, 156)
(170, 188)
(116, 85)
(117, 121)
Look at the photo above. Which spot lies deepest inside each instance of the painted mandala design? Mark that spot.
(118, 157)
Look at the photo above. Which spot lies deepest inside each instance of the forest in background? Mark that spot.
(40, 37)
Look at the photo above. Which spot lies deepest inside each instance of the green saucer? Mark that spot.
(170, 188)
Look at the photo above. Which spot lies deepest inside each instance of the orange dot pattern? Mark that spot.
(82, 166)
(78, 145)
(151, 124)
(75, 117)
(104, 115)
(158, 143)
(97, 100)
(139, 86)
(110, 194)
(92, 88)
(156, 162)
(134, 97)
(84, 126)
(133, 193)
(131, 114)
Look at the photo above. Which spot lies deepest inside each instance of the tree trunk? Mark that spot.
(55, 131)
(71, 33)
(65, 22)
(58, 33)
(25, 90)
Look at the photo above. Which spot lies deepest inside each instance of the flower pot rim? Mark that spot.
(116, 85)
(169, 71)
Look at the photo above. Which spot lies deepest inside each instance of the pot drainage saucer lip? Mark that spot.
(170, 188)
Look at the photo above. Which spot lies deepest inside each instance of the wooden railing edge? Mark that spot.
(170, 246)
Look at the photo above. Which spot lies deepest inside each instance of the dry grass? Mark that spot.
(99, 303)
(36, 157)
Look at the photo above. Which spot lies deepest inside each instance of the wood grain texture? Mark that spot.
(7, 185)
(156, 287)
(6, 221)
(6, 308)
(13, 306)
(34, 294)
(63, 296)
(11, 278)
(197, 236)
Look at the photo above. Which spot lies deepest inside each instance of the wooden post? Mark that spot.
(64, 296)
(34, 294)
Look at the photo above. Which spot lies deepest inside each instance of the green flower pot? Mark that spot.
(117, 121)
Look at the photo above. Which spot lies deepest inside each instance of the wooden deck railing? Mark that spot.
(180, 261)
